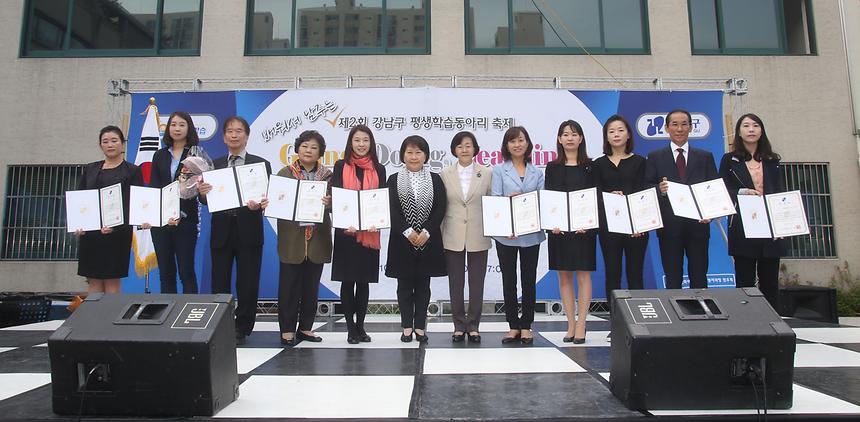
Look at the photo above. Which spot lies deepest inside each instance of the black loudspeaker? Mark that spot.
(809, 302)
(145, 355)
(699, 349)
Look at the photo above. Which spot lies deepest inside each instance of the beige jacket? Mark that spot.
(463, 226)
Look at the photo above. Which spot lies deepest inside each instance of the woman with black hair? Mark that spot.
(752, 168)
(415, 254)
(175, 243)
(103, 255)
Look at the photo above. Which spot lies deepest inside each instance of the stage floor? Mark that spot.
(443, 380)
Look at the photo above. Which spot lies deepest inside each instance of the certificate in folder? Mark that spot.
(772, 216)
(635, 213)
(296, 200)
(153, 205)
(568, 211)
(93, 209)
(511, 216)
(361, 210)
(701, 201)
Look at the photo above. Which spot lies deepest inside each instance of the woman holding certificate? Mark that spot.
(571, 252)
(303, 248)
(621, 172)
(356, 252)
(103, 255)
(418, 202)
(752, 168)
(175, 242)
(517, 175)
(462, 235)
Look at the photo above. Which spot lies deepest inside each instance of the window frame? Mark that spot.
(813, 181)
(783, 35)
(67, 51)
(576, 50)
(335, 51)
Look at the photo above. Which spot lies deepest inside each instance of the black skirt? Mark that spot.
(353, 262)
(105, 255)
(572, 252)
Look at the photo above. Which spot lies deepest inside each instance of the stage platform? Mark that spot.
(443, 380)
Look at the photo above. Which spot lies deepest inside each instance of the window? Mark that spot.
(307, 27)
(34, 221)
(75, 28)
(751, 27)
(556, 27)
(813, 182)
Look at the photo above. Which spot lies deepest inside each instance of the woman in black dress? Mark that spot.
(103, 255)
(355, 262)
(175, 243)
(571, 252)
(752, 168)
(418, 201)
(620, 171)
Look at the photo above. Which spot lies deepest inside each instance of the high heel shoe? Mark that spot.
(363, 336)
(456, 338)
(289, 342)
(306, 337)
(527, 340)
(406, 338)
(515, 338)
(580, 340)
(474, 338)
(421, 338)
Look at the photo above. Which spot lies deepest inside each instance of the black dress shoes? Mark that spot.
(514, 339)
(421, 338)
(579, 340)
(362, 336)
(289, 342)
(474, 338)
(568, 339)
(406, 338)
(456, 338)
(302, 336)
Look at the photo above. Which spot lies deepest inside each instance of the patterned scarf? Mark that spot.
(415, 190)
(370, 180)
(322, 173)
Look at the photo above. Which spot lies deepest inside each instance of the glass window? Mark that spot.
(34, 219)
(813, 182)
(111, 27)
(750, 27)
(556, 26)
(337, 27)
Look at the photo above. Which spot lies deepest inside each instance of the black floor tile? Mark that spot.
(596, 359)
(501, 396)
(25, 359)
(855, 347)
(842, 383)
(342, 362)
(23, 338)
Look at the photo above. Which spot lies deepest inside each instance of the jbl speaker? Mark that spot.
(809, 302)
(699, 349)
(145, 355)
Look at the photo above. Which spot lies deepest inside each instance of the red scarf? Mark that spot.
(370, 180)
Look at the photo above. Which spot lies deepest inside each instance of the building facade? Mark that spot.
(785, 60)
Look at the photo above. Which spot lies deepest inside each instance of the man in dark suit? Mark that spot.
(238, 233)
(680, 236)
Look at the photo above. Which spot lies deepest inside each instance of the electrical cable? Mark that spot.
(84, 391)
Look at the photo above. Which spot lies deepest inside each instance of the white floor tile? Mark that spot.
(275, 396)
(41, 345)
(605, 375)
(14, 384)
(272, 326)
(37, 326)
(592, 339)
(805, 401)
(829, 334)
(498, 361)
(852, 321)
(822, 356)
(379, 318)
(6, 349)
(337, 340)
(485, 327)
(249, 358)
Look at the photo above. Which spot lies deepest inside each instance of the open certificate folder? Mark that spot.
(507, 216)
(634, 213)
(296, 200)
(701, 201)
(93, 209)
(774, 215)
(362, 210)
(153, 205)
(568, 211)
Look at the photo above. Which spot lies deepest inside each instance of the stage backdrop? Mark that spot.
(278, 116)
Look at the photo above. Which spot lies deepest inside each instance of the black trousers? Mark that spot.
(672, 252)
(248, 260)
(617, 247)
(354, 298)
(298, 290)
(528, 273)
(413, 296)
(455, 261)
(768, 276)
(174, 247)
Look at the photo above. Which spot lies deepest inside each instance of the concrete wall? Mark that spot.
(52, 108)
